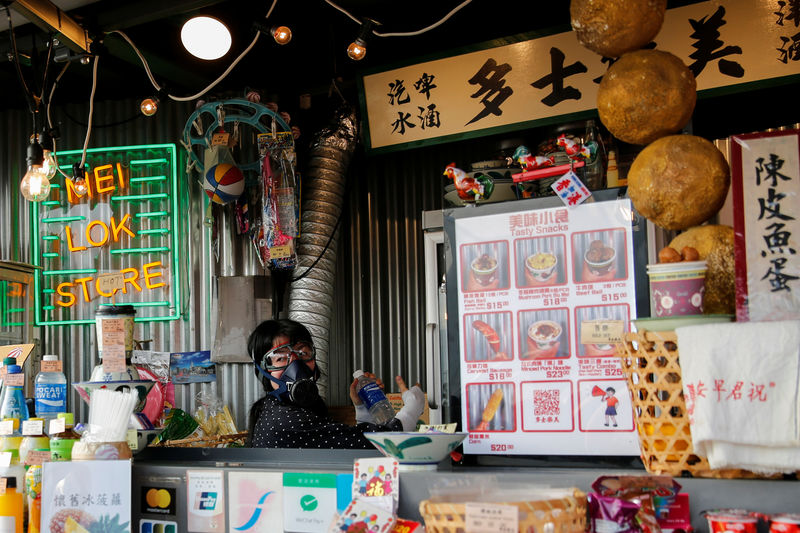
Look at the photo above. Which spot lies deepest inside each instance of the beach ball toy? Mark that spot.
(223, 183)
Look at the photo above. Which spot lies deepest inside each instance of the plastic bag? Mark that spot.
(212, 415)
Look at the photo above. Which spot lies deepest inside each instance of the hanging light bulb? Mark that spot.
(358, 48)
(281, 34)
(35, 185)
(78, 180)
(206, 37)
(149, 106)
(49, 164)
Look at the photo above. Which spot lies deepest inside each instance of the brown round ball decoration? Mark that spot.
(645, 95)
(613, 27)
(714, 245)
(679, 181)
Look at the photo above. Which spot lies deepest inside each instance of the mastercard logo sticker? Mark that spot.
(158, 500)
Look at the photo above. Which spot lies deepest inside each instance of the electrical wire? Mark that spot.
(29, 99)
(403, 34)
(91, 110)
(214, 83)
(50, 120)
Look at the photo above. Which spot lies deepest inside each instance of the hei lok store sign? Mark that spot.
(110, 239)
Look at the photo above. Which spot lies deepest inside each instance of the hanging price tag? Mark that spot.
(491, 518)
(6, 427)
(113, 359)
(277, 252)
(220, 139)
(57, 425)
(602, 331)
(133, 440)
(51, 366)
(33, 427)
(14, 380)
(110, 283)
(37, 457)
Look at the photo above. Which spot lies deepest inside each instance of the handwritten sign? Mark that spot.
(491, 518)
(51, 366)
(602, 331)
(32, 427)
(14, 380)
(123, 210)
(57, 425)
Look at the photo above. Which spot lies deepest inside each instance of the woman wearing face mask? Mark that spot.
(292, 414)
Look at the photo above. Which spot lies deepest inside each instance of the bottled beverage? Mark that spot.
(51, 390)
(612, 173)
(61, 443)
(374, 399)
(33, 439)
(33, 496)
(7, 361)
(593, 171)
(11, 507)
(12, 401)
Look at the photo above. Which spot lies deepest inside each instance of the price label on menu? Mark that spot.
(491, 518)
(14, 380)
(57, 425)
(602, 331)
(108, 283)
(33, 427)
(37, 457)
(51, 366)
(6, 427)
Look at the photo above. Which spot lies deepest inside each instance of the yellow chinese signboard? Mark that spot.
(724, 42)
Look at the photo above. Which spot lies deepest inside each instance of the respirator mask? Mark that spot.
(298, 383)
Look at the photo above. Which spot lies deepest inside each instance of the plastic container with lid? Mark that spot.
(677, 288)
(11, 507)
(122, 317)
(50, 390)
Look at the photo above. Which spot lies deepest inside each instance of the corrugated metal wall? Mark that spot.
(379, 319)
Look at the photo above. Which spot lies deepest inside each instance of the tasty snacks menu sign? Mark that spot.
(541, 296)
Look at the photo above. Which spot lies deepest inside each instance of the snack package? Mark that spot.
(212, 415)
(641, 491)
(178, 424)
(612, 515)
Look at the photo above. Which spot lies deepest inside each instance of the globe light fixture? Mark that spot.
(206, 37)
(282, 34)
(35, 185)
(149, 106)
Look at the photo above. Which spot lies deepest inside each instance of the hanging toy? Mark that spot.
(575, 150)
(223, 183)
(470, 189)
(529, 161)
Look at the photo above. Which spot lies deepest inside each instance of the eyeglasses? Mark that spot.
(280, 356)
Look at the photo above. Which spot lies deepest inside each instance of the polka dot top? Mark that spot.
(281, 425)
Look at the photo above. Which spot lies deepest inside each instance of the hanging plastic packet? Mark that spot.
(219, 152)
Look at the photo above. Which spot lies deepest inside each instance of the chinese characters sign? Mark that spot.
(511, 87)
(766, 188)
(542, 297)
(98, 492)
(110, 238)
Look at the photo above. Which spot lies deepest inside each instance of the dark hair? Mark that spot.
(261, 340)
(611, 389)
(259, 343)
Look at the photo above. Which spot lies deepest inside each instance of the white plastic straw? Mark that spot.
(109, 413)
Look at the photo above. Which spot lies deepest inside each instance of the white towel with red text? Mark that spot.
(741, 384)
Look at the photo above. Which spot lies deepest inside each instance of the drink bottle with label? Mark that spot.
(51, 390)
(374, 399)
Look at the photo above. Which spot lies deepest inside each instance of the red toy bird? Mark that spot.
(468, 188)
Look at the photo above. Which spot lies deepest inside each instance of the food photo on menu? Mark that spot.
(491, 407)
(544, 333)
(584, 316)
(488, 337)
(485, 266)
(540, 261)
(599, 256)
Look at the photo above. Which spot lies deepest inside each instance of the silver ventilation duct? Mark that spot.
(311, 297)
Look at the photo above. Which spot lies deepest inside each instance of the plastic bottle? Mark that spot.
(374, 399)
(12, 401)
(61, 443)
(51, 390)
(33, 441)
(593, 171)
(33, 496)
(612, 173)
(7, 361)
(11, 507)
(14, 469)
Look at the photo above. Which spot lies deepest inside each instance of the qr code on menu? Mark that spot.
(546, 402)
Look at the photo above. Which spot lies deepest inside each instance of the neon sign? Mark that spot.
(122, 220)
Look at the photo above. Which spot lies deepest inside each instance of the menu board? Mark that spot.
(542, 297)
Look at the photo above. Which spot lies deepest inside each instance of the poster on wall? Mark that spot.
(542, 294)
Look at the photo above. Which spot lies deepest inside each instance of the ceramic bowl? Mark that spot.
(541, 265)
(484, 269)
(416, 451)
(142, 386)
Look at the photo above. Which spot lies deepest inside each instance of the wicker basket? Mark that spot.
(651, 366)
(561, 515)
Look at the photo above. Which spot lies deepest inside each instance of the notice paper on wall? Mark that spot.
(543, 295)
